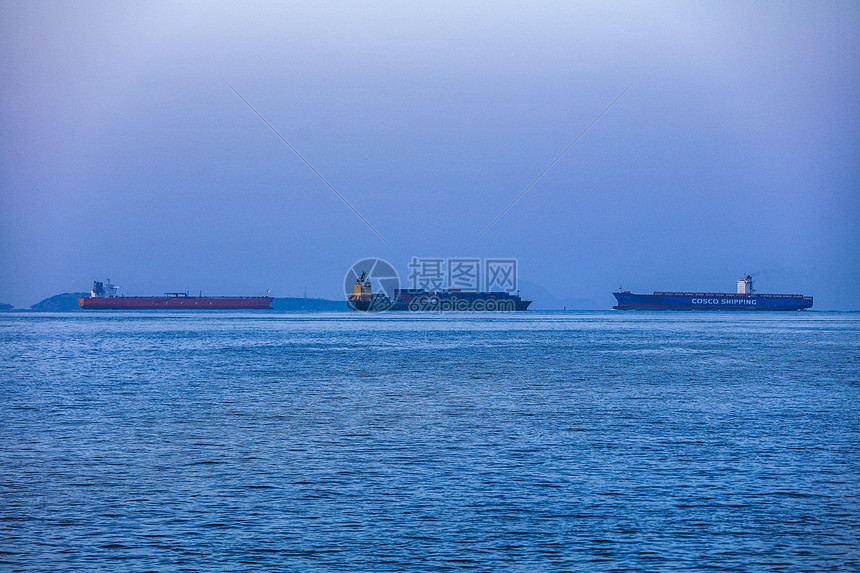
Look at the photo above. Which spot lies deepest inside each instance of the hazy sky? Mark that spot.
(125, 154)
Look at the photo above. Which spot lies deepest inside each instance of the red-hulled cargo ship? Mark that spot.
(103, 296)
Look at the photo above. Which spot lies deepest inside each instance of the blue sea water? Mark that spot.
(604, 441)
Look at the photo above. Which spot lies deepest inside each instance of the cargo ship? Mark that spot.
(744, 299)
(415, 300)
(103, 296)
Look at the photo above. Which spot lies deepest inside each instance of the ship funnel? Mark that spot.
(745, 285)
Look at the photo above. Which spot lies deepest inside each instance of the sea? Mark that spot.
(534, 441)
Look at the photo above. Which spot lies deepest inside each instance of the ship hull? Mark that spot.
(418, 300)
(711, 301)
(461, 305)
(176, 303)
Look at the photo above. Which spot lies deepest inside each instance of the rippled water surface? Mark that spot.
(522, 442)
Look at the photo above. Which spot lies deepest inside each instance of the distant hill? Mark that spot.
(60, 302)
(312, 304)
(6, 307)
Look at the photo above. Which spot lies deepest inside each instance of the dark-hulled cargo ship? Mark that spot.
(744, 299)
(104, 297)
(443, 300)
